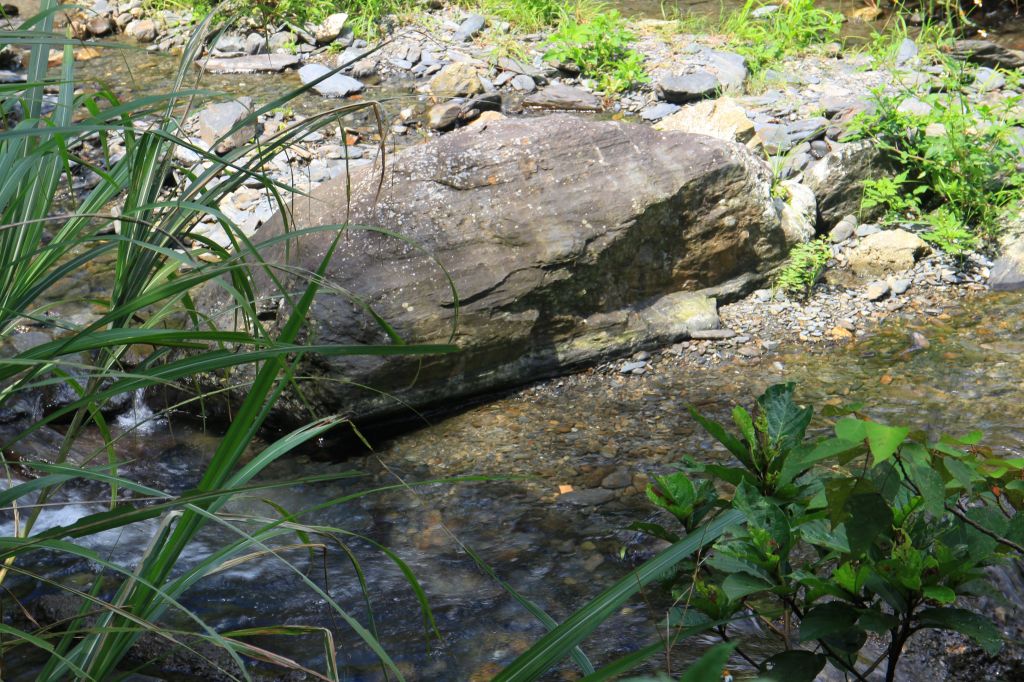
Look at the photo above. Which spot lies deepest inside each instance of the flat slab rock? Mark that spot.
(337, 85)
(256, 63)
(564, 97)
(568, 240)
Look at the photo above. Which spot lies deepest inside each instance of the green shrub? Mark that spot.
(804, 267)
(873, 532)
(899, 199)
(791, 28)
(950, 234)
(600, 48)
(965, 153)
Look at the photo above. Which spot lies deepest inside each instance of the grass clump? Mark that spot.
(535, 15)
(954, 151)
(599, 47)
(804, 267)
(765, 40)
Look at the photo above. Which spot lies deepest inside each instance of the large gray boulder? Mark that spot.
(567, 240)
(837, 180)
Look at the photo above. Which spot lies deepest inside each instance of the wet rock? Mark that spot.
(900, 286)
(444, 116)
(722, 118)
(143, 31)
(1008, 270)
(217, 120)
(584, 275)
(876, 291)
(689, 87)
(836, 180)
(336, 85)
(713, 334)
(987, 53)
(263, 63)
(100, 26)
(566, 97)
(331, 27)
(458, 79)
(887, 252)
(918, 341)
(472, 25)
(590, 497)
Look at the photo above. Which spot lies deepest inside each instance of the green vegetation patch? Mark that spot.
(804, 267)
(600, 48)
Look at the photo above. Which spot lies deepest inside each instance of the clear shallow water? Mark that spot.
(572, 431)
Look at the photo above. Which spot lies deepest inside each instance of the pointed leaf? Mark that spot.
(792, 666)
(710, 665)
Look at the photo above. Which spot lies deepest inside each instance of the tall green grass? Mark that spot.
(139, 228)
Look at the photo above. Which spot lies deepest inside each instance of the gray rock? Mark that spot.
(336, 85)
(618, 479)
(987, 53)
(230, 43)
(907, 51)
(688, 87)
(262, 63)
(558, 96)
(659, 111)
(914, 107)
(631, 367)
(282, 41)
(843, 230)
(589, 497)
(779, 138)
(444, 116)
(900, 286)
(472, 25)
(218, 120)
(729, 67)
(986, 79)
(1008, 270)
(819, 148)
(524, 83)
(836, 180)
(866, 229)
(255, 44)
(713, 334)
(331, 27)
(584, 275)
(876, 291)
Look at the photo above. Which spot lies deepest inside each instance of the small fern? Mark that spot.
(805, 265)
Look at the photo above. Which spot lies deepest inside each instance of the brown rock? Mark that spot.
(887, 252)
(458, 79)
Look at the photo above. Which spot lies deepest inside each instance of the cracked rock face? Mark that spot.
(566, 240)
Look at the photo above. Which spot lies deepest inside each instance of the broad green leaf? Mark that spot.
(939, 593)
(851, 428)
(870, 516)
(739, 585)
(977, 627)
(710, 665)
(674, 493)
(801, 459)
(792, 666)
(745, 423)
(884, 440)
(933, 490)
(960, 472)
(827, 619)
(786, 421)
(874, 620)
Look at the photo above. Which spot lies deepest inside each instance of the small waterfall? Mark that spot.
(139, 418)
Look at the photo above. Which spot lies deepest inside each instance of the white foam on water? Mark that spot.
(140, 418)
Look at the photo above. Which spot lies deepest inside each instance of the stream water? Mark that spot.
(577, 431)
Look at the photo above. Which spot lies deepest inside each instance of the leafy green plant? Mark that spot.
(599, 47)
(792, 27)
(949, 233)
(900, 199)
(963, 151)
(148, 332)
(806, 263)
(874, 531)
(535, 15)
